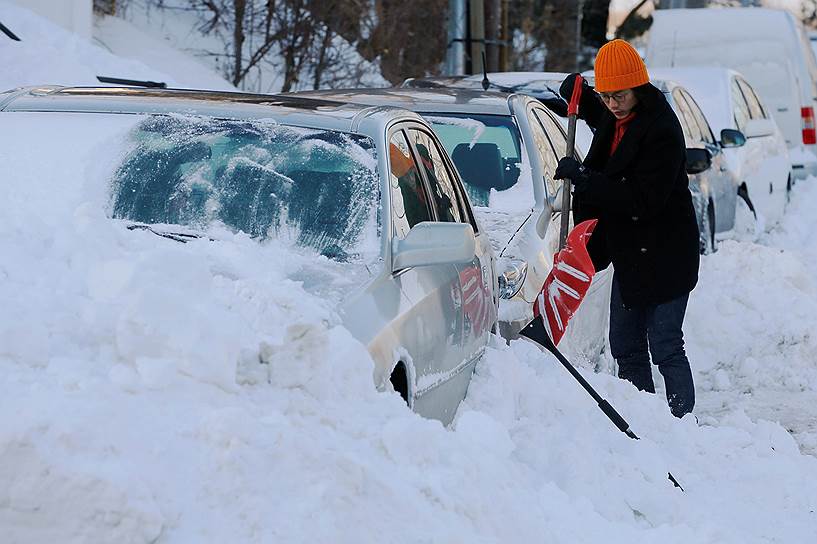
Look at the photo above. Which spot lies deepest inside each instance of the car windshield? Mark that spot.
(316, 189)
(487, 151)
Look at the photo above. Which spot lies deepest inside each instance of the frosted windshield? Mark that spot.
(316, 189)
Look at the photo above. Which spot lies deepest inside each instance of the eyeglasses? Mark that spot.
(618, 97)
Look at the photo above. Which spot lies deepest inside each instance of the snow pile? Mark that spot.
(163, 392)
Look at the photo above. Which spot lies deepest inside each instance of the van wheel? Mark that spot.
(399, 381)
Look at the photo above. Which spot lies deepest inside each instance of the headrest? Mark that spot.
(481, 165)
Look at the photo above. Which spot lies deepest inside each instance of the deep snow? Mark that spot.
(153, 391)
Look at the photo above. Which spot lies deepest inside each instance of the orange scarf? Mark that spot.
(621, 128)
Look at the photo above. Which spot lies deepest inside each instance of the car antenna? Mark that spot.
(485, 81)
(132, 82)
(5, 30)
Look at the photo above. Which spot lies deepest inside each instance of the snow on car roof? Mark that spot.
(296, 110)
(709, 86)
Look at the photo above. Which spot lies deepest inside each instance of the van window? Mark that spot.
(741, 108)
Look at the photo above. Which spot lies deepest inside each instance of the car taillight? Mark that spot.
(809, 133)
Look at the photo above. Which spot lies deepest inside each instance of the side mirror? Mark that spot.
(698, 160)
(429, 243)
(757, 128)
(732, 138)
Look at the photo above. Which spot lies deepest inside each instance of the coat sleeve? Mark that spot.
(649, 182)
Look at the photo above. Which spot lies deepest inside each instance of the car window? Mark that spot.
(688, 123)
(318, 189)
(547, 153)
(757, 99)
(443, 197)
(700, 119)
(409, 199)
(487, 152)
(755, 110)
(741, 108)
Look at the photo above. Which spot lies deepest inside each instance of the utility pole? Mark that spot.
(579, 17)
(455, 58)
(476, 17)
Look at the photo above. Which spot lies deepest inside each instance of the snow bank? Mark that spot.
(163, 392)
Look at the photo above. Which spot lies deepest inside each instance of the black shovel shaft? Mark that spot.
(535, 330)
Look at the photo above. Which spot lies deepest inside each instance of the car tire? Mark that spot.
(399, 381)
(706, 240)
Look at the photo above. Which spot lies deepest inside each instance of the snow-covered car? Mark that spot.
(758, 156)
(506, 147)
(767, 46)
(368, 196)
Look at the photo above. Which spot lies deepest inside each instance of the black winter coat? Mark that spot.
(640, 194)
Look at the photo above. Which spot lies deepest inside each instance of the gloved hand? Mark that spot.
(570, 168)
(566, 88)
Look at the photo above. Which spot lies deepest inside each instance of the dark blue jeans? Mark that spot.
(638, 332)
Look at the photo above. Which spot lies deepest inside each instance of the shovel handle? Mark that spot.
(572, 113)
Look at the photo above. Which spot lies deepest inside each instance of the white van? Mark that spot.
(768, 46)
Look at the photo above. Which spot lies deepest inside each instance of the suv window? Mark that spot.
(546, 152)
(688, 123)
(409, 199)
(755, 109)
(700, 119)
(444, 198)
(486, 149)
(741, 112)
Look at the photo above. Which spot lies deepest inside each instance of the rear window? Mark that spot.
(487, 151)
(315, 189)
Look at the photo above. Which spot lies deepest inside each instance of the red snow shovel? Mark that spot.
(560, 298)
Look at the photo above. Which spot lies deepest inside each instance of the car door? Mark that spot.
(747, 160)
(772, 163)
(698, 183)
(433, 329)
(450, 205)
(585, 333)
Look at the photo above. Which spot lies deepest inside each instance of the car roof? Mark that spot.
(436, 100)
(288, 109)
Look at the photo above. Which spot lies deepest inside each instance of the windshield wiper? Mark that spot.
(176, 236)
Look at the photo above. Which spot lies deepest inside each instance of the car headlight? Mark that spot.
(512, 277)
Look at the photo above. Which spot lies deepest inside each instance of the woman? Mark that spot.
(634, 181)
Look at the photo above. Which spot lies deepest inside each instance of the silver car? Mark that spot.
(506, 147)
(370, 189)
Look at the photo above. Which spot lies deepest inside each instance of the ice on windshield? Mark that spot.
(487, 151)
(315, 189)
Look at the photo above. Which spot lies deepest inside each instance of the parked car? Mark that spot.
(543, 86)
(713, 186)
(758, 156)
(767, 46)
(506, 147)
(371, 190)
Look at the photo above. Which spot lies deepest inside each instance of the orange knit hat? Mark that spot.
(619, 67)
